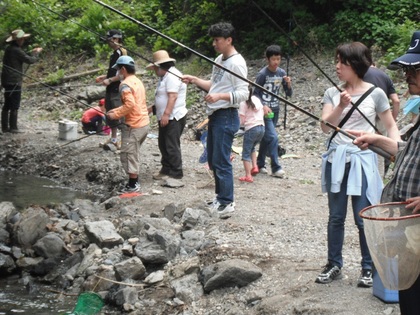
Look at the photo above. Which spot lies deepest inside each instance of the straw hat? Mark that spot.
(159, 57)
(17, 34)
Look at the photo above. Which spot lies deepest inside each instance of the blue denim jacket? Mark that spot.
(360, 160)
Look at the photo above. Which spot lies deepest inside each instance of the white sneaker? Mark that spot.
(263, 170)
(225, 210)
(129, 189)
(213, 204)
(279, 174)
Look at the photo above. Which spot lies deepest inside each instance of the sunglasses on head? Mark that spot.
(410, 70)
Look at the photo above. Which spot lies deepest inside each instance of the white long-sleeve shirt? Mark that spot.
(224, 82)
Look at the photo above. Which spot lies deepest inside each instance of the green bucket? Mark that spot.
(88, 303)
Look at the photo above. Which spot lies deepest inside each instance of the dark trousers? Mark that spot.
(170, 147)
(9, 113)
(410, 299)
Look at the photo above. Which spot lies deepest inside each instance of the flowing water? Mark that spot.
(26, 190)
(15, 296)
(18, 298)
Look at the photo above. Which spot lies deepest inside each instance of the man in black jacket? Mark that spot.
(11, 78)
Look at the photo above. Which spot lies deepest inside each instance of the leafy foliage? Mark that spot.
(75, 27)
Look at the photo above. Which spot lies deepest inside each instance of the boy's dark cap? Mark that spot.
(114, 34)
(411, 57)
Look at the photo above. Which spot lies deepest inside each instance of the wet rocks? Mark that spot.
(154, 252)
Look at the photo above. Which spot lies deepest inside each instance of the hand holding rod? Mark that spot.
(57, 90)
(381, 152)
(103, 38)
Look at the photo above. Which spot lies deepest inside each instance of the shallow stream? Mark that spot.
(15, 296)
(26, 190)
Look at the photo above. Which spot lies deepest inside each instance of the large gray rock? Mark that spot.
(51, 245)
(103, 234)
(131, 268)
(7, 210)
(89, 259)
(193, 217)
(31, 227)
(129, 228)
(28, 262)
(229, 273)
(86, 207)
(169, 241)
(7, 265)
(192, 239)
(4, 236)
(150, 252)
(187, 288)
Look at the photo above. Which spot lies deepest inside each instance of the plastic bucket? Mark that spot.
(67, 130)
(393, 237)
(88, 303)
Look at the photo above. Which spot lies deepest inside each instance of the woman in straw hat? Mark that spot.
(11, 78)
(171, 112)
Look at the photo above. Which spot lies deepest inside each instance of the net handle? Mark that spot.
(410, 216)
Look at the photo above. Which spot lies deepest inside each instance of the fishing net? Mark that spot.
(88, 303)
(393, 237)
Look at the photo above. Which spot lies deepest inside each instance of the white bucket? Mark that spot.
(67, 130)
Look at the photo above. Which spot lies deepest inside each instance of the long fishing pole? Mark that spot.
(69, 96)
(285, 105)
(313, 62)
(104, 38)
(372, 148)
(53, 88)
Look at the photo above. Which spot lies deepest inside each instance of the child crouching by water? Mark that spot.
(93, 118)
(251, 114)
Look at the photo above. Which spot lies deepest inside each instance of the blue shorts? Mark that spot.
(252, 137)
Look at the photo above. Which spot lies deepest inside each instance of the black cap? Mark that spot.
(114, 34)
(411, 57)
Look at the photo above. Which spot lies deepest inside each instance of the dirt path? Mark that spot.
(279, 224)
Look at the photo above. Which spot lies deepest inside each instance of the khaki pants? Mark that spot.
(131, 141)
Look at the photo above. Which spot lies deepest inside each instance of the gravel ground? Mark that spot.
(279, 224)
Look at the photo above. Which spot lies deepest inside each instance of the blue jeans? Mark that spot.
(223, 124)
(252, 137)
(269, 144)
(337, 203)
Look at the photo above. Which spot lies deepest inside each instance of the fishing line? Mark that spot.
(53, 88)
(313, 62)
(71, 97)
(371, 147)
(29, 88)
(106, 39)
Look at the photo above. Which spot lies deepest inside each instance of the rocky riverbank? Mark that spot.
(163, 252)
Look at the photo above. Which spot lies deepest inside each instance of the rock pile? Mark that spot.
(69, 248)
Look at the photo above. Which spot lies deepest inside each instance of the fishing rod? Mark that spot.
(33, 88)
(53, 88)
(313, 62)
(285, 105)
(104, 38)
(336, 128)
(77, 100)
(75, 140)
